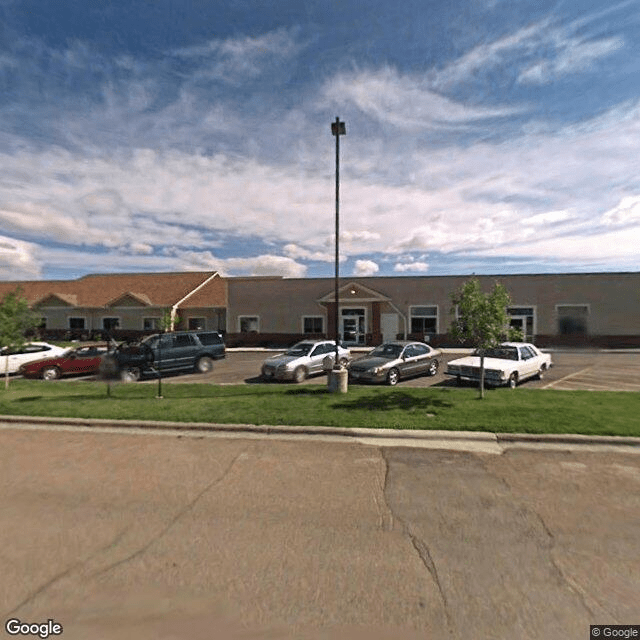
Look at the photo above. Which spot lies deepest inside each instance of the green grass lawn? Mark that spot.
(503, 410)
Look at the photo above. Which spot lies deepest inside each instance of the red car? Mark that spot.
(83, 360)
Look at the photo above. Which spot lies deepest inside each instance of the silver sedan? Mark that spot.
(392, 361)
(303, 359)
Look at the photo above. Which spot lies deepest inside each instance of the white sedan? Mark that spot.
(506, 364)
(15, 358)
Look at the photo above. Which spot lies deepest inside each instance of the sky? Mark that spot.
(482, 136)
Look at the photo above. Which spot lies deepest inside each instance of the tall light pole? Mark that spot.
(337, 129)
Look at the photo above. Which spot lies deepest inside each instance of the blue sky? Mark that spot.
(483, 136)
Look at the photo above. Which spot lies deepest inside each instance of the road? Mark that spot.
(154, 536)
(591, 370)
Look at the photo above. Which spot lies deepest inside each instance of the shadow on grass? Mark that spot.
(394, 400)
(307, 392)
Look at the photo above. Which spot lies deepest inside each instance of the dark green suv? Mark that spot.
(167, 352)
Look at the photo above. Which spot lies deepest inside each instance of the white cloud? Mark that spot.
(295, 251)
(545, 51)
(404, 101)
(418, 267)
(626, 212)
(254, 266)
(365, 268)
(243, 57)
(574, 57)
(17, 260)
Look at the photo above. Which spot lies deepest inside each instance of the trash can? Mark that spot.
(338, 380)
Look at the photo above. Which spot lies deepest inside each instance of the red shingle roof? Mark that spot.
(157, 289)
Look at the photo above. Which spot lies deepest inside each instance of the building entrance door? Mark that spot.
(353, 326)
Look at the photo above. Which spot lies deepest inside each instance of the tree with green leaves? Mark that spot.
(169, 320)
(481, 319)
(16, 320)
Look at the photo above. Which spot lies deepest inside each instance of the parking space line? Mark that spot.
(571, 375)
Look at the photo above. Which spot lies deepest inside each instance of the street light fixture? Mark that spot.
(337, 129)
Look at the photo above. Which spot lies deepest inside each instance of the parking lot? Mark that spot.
(588, 370)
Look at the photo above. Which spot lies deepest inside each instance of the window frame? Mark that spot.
(313, 317)
(436, 317)
(249, 317)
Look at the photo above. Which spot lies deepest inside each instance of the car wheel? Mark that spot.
(300, 374)
(433, 368)
(344, 362)
(392, 377)
(131, 374)
(513, 380)
(542, 371)
(50, 373)
(204, 364)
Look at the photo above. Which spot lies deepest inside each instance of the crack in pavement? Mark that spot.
(420, 546)
(68, 571)
(77, 566)
(571, 584)
(188, 507)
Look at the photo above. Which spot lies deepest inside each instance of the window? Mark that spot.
(76, 323)
(424, 319)
(572, 319)
(150, 324)
(249, 324)
(183, 340)
(110, 323)
(526, 353)
(312, 324)
(197, 324)
(209, 338)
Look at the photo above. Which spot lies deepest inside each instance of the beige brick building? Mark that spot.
(600, 309)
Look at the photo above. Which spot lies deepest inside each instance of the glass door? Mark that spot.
(353, 326)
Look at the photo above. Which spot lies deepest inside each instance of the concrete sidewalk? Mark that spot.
(456, 440)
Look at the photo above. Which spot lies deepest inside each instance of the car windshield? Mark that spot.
(390, 351)
(149, 340)
(502, 353)
(300, 349)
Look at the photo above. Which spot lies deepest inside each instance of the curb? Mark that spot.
(355, 432)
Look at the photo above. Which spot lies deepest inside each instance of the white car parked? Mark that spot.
(30, 351)
(506, 364)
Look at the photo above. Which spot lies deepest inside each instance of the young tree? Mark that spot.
(481, 318)
(16, 320)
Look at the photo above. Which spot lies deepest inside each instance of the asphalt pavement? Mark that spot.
(167, 536)
(572, 369)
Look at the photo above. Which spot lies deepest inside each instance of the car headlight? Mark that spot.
(377, 370)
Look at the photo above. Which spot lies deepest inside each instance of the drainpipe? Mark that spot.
(174, 308)
(404, 318)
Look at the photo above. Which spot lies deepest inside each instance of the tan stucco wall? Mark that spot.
(613, 299)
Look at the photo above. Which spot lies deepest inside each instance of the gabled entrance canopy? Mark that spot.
(354, 292)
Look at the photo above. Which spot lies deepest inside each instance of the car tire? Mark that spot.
(513, 380)
(392, 377)
(50, 373)
(130, 374)
(433, 368)
(204, 364)
(541, 372)
(300, 375)
(343, 362)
